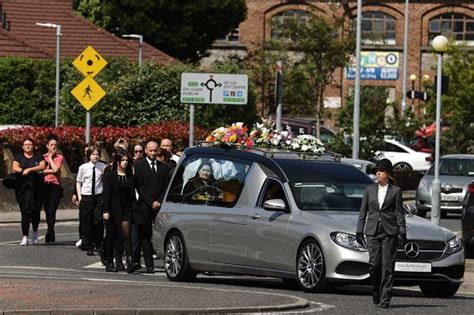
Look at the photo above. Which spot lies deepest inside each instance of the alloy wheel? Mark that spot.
(310, 266)
(174, 256)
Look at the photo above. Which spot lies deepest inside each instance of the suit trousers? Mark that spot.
(136, 246)
(382, 255)
(92, 229)
(145, 232)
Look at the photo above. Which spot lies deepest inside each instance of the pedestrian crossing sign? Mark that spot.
(88, 93)
(89, 62)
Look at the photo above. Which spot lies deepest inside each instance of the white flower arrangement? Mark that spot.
(307, 143)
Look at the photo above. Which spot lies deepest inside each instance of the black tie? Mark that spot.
(93, 181)
(153, 166)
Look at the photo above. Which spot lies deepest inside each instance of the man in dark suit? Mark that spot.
(381, 216)
(151, 180)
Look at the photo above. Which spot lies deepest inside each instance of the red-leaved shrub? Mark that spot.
(72, 139)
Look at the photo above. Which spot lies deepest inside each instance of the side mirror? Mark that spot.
(410, 208)
(274, 205)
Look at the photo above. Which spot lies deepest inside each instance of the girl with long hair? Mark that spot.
(119, 200)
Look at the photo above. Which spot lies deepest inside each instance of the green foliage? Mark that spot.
(458, 104)
(26, 94)
(183, 29)
(135, 96)
(316, 50)
(261, 63)
(372, 125)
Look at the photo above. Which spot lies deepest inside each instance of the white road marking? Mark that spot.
(96, 265)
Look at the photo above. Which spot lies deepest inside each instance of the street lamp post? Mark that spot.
(356, 116)
(140, 46)
(440, 45)
(58, 60)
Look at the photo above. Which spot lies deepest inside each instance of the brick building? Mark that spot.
(20, 36)
(383, 30)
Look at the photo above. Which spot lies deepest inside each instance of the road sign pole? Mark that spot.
(88, 127)
(191, 125)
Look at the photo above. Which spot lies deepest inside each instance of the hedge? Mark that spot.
(135, 95)
(72, 139)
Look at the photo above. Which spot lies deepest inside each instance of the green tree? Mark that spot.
(458, 103)
(26, 91)
(135, 96)
(315, 50)
(184, 29)
(372, 124)
(261, 63)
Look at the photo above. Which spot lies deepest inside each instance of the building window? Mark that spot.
(279, 20)
(457, 26)
(232, 36)
(378, 28)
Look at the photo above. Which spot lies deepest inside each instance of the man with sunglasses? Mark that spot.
(137, 152)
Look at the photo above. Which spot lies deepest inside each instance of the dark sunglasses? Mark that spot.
(138, 151)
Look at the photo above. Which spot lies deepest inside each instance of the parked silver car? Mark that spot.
(246, 212)
(364, 166)
(456, 171)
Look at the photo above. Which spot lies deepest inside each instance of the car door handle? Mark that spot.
(255, 216)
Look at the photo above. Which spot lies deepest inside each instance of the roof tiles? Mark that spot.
(25, 38)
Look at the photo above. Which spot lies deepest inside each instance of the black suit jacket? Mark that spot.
(150, 187)
(391, 212)
(111, 195)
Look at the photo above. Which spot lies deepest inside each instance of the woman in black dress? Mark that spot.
(119, 199)
(28, 167)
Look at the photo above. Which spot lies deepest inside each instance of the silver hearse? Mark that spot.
(290, 216)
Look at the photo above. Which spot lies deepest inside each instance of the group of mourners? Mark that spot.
(122, 197)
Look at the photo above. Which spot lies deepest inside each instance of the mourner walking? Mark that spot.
(382, 219)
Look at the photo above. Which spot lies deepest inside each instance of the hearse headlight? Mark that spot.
(454, 245)
(348, 241)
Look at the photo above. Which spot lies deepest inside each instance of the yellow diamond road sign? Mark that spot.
(89, 62)
(88, 93)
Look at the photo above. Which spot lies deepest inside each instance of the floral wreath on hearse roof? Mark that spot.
(264, 135)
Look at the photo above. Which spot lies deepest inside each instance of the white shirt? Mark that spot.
(382, 192)
(84, 176)
(153, 166)
(175, 158)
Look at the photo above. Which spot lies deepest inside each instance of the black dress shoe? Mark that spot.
(110, 268)
(150, 270)
(131, 268)
(119, 265)
(384, 305)
(376, 299)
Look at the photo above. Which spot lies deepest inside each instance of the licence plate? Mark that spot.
(412, 267)
(449, 198)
